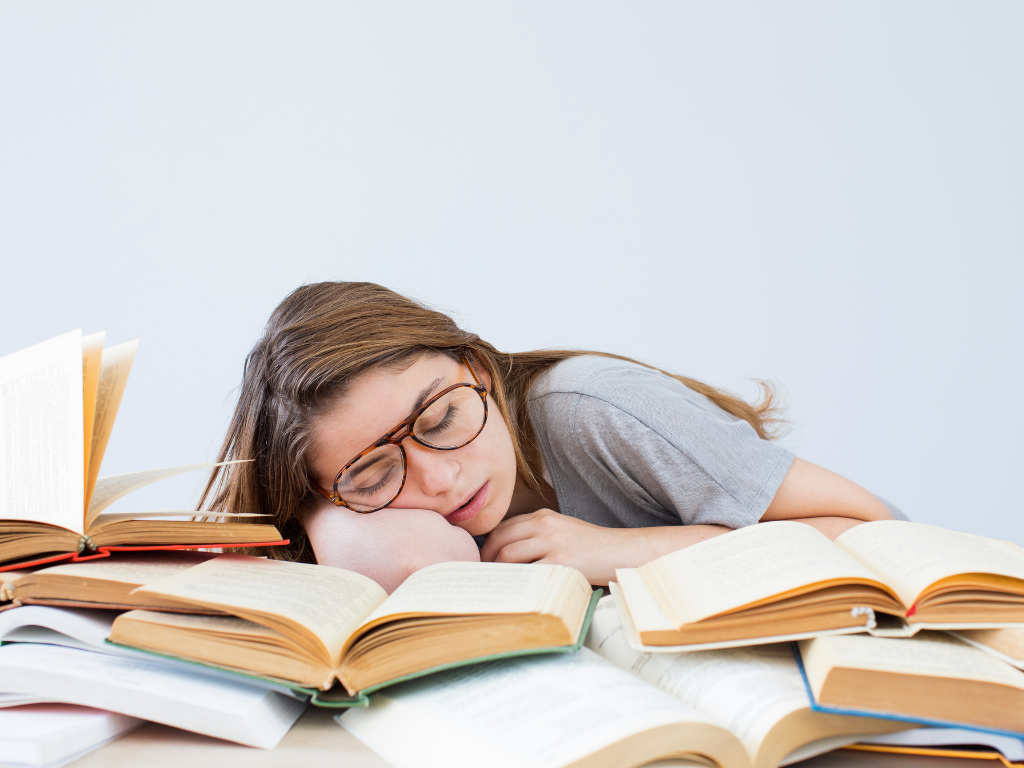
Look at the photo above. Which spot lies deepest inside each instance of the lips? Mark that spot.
(469, 510)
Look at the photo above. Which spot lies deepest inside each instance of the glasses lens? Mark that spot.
(452, 420)
(374, 480)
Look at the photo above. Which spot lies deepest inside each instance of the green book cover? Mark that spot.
(338, 697)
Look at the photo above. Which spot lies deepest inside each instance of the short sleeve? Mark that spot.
(629, 446)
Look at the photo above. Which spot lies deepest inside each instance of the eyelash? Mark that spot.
(444, 423)
(376, 486)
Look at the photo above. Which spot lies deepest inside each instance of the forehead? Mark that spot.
(375, 402)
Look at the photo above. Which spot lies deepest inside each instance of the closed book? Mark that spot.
(235, 710)
(930, 679)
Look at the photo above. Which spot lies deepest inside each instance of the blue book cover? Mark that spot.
(818, 707)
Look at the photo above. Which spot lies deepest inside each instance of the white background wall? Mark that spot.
(827, 195)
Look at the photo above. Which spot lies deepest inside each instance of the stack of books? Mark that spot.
(762, 647)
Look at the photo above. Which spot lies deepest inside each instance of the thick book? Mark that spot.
(106, 583)
(53, 735)
(605, 708)
(235, 710)
(931, 679)
(58, 400)
(313, 626)
(785, 581)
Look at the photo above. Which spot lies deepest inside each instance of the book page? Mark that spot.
(41, 434)
(644, 611)
(184, 515)
(115, 365)
(113, 487)
(1012, 749)
(540, 712)
(1009, 642)
(329, 603)
(469, 588)
(745, 566)
(912, 556)
(141, 568)
(931, 654)
(92, 354)
(746, 690)
(192, 700)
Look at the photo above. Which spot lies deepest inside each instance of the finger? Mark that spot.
(524, 517)
(505, 535)
(521, 551)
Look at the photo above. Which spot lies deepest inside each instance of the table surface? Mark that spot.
(316, 739)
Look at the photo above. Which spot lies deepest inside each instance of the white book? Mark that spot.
(234, 710)
(1010, 748)
(88, 629)
(53, 735)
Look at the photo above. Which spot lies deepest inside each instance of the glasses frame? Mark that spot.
(396, 435)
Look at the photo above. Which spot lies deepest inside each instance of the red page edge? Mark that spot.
(101, 552)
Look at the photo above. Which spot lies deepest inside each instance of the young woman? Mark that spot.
(381, 437)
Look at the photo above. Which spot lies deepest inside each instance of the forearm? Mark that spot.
(387, 546)
(641, 545)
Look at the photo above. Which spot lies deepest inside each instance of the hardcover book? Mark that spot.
(931, 679)
(311, 626)
(785, 580)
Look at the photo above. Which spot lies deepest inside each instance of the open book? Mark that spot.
(310, 625)
(933, 679)
(58, 400)
(756, 692)
(785, 580)
(727, 708)
(106, 583)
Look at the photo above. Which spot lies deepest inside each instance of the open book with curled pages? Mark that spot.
(338, 636)
(608, 706)
(786, 581)
(58, 400)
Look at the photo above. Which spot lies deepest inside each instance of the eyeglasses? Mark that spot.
(449, 420)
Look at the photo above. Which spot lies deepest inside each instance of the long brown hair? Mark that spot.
(324, 335)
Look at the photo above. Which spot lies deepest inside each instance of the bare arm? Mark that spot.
(810, 491)
(386, 545)
(808, 494)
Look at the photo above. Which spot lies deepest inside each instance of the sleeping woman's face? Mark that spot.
(470, 486)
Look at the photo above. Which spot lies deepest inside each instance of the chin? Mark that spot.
(484, 522)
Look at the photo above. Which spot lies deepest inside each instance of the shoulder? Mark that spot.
(606, 384)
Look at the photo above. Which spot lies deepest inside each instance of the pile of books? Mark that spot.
(762, 647)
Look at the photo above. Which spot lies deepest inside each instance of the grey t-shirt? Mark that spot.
(629, 447)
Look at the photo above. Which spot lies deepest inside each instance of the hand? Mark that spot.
(545, 536)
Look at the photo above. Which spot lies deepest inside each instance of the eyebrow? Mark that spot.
(426, 392)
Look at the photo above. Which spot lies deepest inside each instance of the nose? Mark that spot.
(433, 472)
